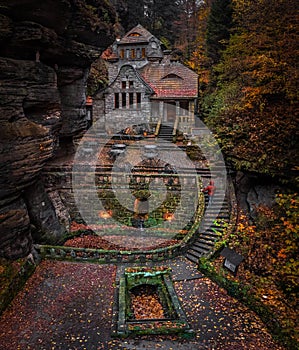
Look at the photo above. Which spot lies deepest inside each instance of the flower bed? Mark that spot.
(148, 304)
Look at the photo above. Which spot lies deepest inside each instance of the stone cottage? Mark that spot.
(145, 85)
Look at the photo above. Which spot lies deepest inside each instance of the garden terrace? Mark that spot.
(163, 237)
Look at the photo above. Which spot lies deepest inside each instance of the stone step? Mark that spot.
(192, 258)
(199, 244)
(220, 216)
(207, 239)
(197, 252)
(165, 132)
(211, 234)
(206, 236)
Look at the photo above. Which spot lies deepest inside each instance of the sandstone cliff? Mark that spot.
(46, 48)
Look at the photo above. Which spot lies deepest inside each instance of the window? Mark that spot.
(124, 99)
(131, 84)
(133, 53)
(131, 99)
(143, 52)
(138, 99)
(134, 34)
(123, 84)
(116, 100)
(122, 54)
(138, 52)
(172, 76)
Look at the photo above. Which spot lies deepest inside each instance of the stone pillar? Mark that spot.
(161, 110)
(191, 112)
(134, 100)
(177, 108)
(120, 101)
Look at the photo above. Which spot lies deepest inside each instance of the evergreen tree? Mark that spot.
(253, 107)
(218, 28)
(165, 13)
(131, 13)
(187, 24)
(157, 16)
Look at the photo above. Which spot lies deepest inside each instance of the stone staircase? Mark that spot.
(165, 132)
(216, 216)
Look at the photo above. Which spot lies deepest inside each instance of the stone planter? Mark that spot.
(169, 317)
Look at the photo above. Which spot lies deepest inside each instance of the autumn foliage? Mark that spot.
(251, 101)
(271, 268)
(146, 304)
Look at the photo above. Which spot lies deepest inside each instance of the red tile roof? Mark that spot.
(171, 79)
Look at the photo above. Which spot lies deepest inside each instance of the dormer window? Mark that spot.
(172, 76)
(134, 34)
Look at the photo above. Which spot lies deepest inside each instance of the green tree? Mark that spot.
(157, 16)
(254, 107)
(198, 59)
(218, 28)
(161, 18)
(187, 24)
(131, 12)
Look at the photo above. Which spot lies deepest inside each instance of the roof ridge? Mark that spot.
(143, 35)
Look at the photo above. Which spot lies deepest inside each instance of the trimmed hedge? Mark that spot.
(17, 282)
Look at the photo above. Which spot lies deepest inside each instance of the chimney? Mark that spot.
(166, 56)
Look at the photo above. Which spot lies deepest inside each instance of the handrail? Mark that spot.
(175, 126)
(158, 126)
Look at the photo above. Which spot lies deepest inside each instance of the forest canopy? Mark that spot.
(250, 99)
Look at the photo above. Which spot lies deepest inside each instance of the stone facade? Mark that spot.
(145, 85)
(125, 102)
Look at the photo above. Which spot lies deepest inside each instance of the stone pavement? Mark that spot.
(181, 268)
(68, 306)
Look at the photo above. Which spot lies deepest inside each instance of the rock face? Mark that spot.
(46, 48)
(253, 191)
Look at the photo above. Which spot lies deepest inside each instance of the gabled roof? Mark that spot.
(137, 34)
(138, 76)
(171, 80)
